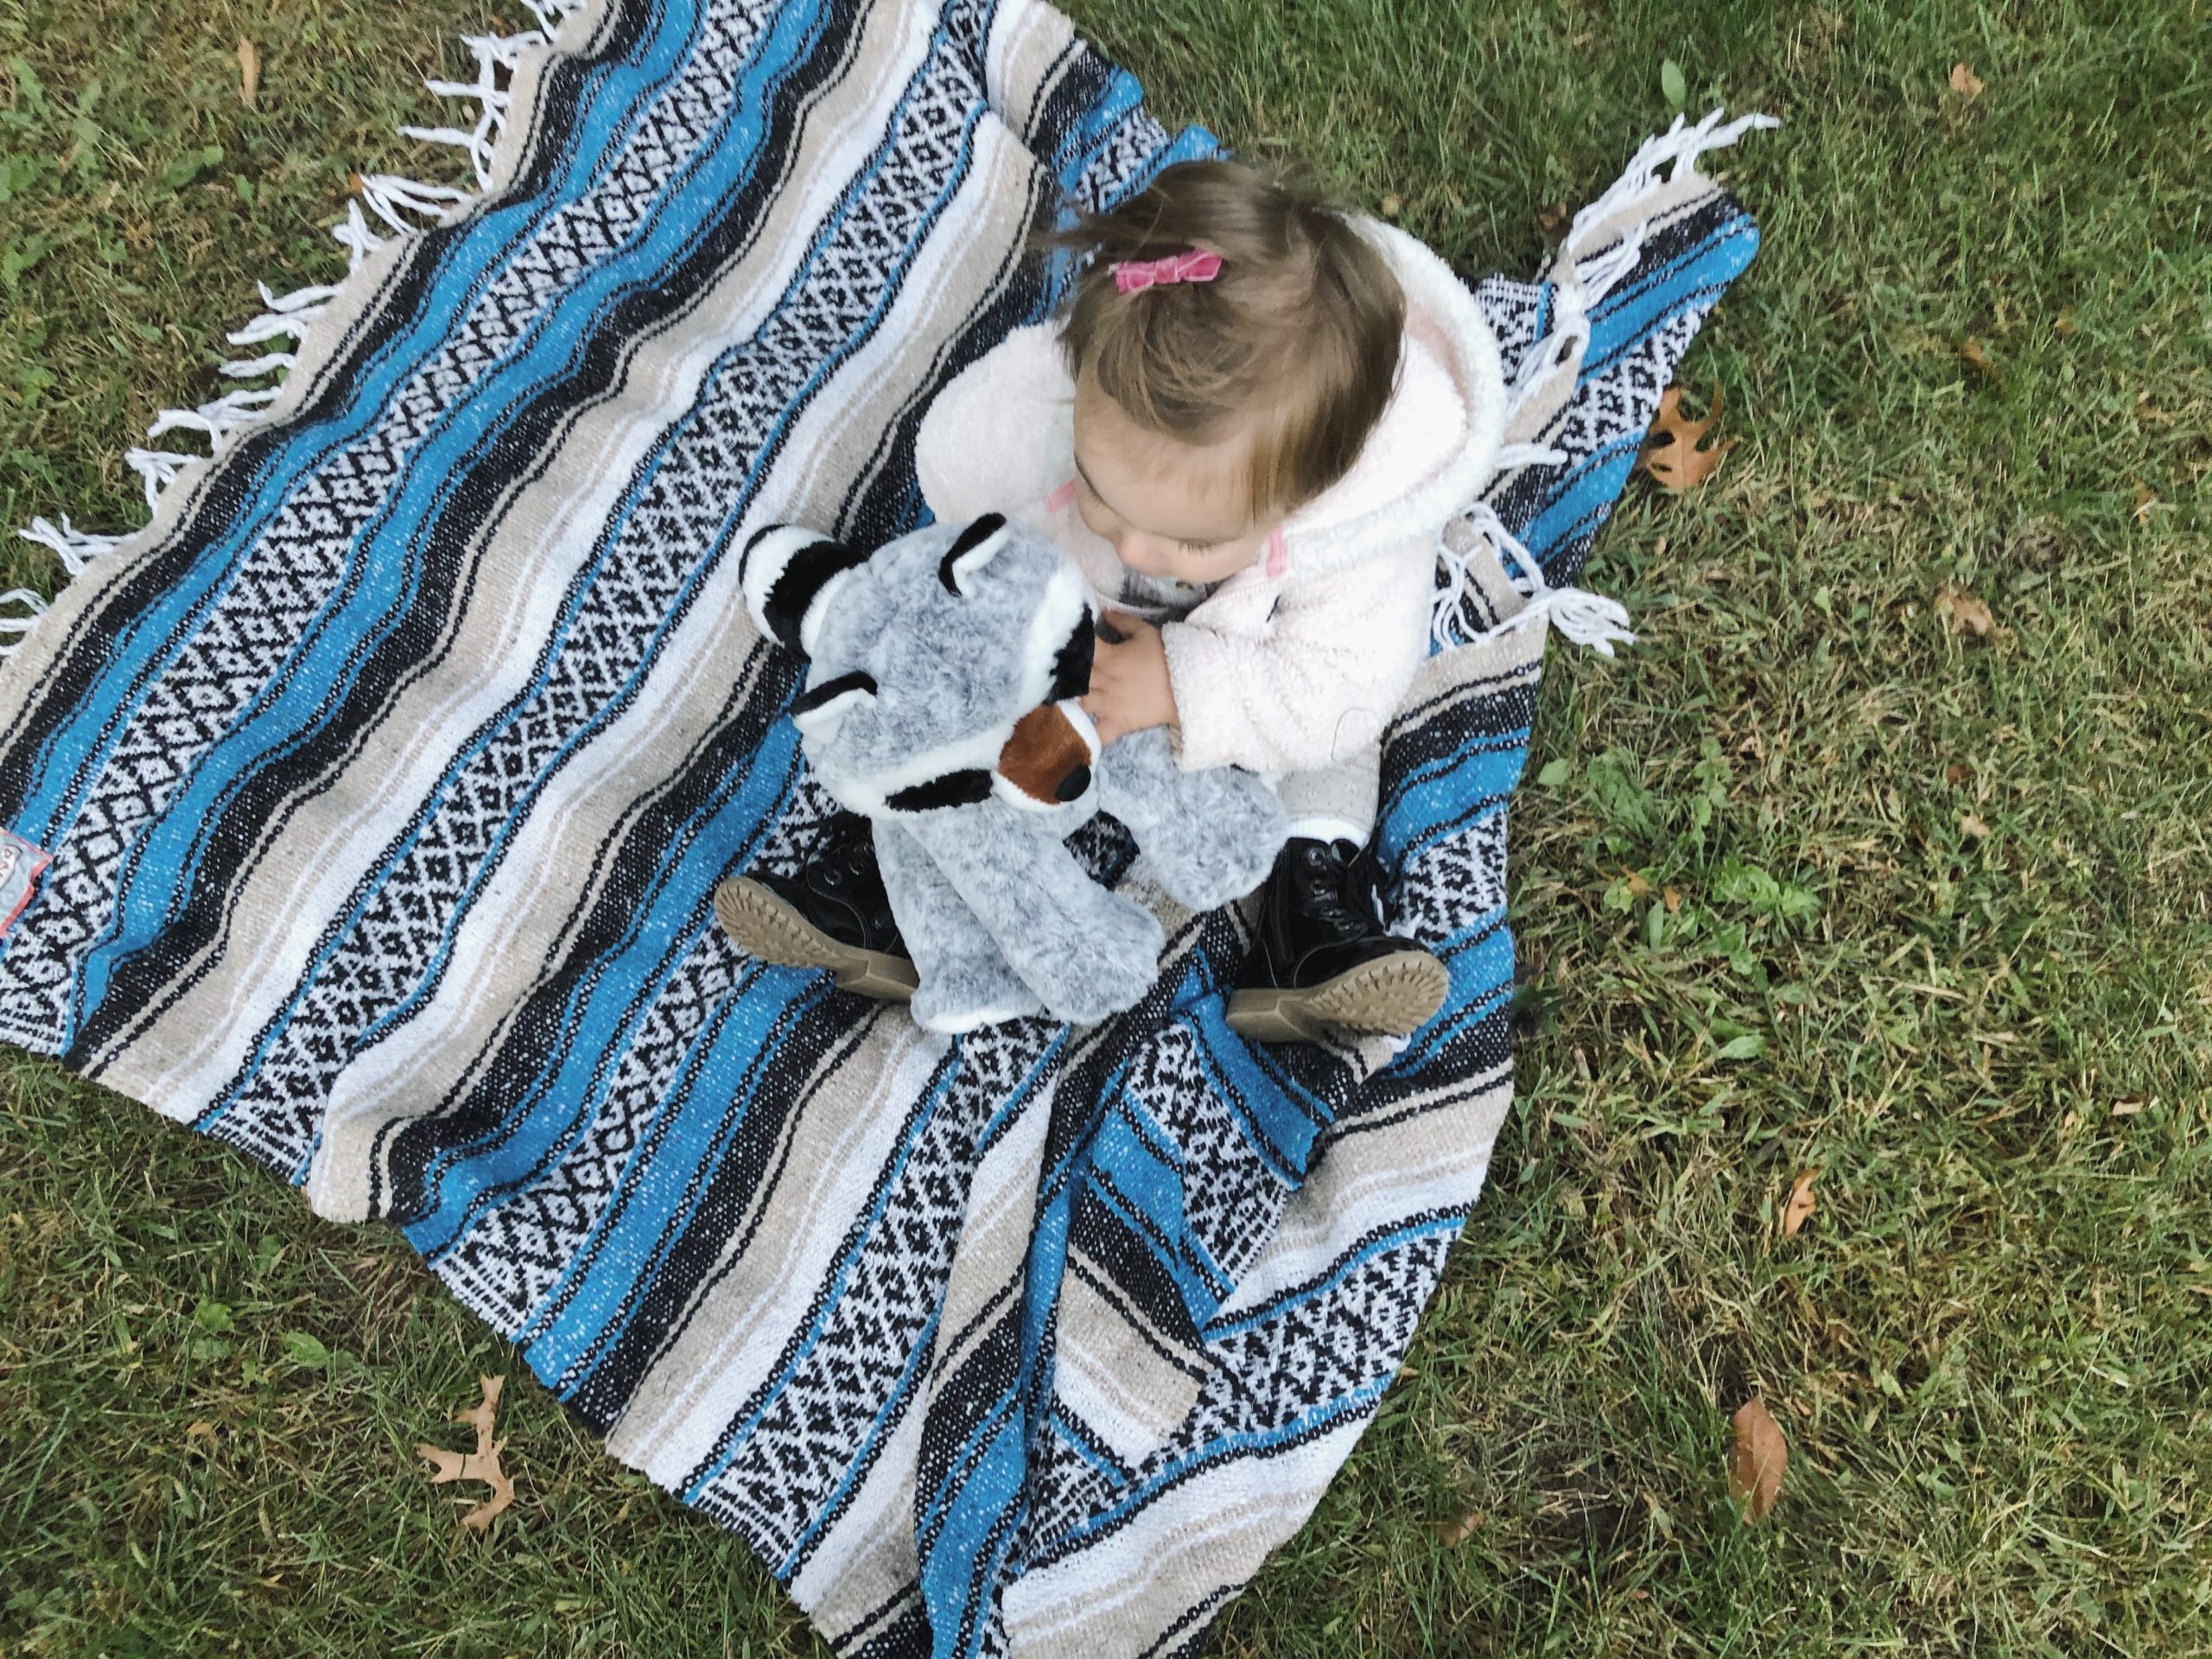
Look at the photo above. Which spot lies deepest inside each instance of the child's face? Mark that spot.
(1169, 509)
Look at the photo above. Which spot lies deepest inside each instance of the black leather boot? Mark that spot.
(1323, 962)
(833, 914)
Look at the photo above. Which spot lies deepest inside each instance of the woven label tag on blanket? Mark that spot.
(20, 864)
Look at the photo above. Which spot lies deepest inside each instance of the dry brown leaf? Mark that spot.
(1976, 356)
(1965, 82)
(249, 73)
(1757, 1460)
(1966, 613)
(482, 1464)
(1798, 1207)
(1453, 1534)
(1670, 451)
(1671, 897)
(1971, 824)
(1957, 776)
(1638, 884)
(2128, 1105)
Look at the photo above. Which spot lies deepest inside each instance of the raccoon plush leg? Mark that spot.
(1087, 952)
(965, 980)
(1210, 837)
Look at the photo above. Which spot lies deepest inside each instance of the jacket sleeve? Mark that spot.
(1321, 683)
(985, 443)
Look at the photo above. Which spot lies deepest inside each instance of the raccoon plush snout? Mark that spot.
(1049, 758)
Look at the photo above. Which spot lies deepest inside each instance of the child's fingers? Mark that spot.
(1100, 704)
(1127, 625)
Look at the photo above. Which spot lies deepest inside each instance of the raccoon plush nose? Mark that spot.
(1047, 760)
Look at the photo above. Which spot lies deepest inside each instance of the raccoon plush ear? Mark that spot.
(816, 710)
(975, 547)
(788, 573)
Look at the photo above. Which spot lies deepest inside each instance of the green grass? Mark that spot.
(1989, 1347)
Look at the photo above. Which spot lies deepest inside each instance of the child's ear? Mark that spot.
(789, 573)
(973, 549)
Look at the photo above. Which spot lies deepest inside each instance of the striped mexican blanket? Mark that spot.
(386, 776)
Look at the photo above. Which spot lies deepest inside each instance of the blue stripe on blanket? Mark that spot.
(422, 499)
(372, 379)
(562, 1100)
(375, 599)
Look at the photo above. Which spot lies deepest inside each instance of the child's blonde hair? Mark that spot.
(1299, 332)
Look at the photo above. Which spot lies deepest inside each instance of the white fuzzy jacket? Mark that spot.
(1296, 662)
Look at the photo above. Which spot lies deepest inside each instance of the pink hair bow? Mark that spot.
(1192, 265)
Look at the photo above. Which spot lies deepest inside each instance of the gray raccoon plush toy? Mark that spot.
(944, 670)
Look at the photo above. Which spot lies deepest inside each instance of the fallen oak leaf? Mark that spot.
(1453, 1534)
(482, 1464)
(1757, 1460)
(1976, 357)
(1798, 1207)
(1964, 613)
(1967, 84)
(1671, 455)
(249, 73)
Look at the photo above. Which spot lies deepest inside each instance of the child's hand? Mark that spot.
(1128, 680)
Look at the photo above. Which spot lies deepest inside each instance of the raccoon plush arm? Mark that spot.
(1211, 836)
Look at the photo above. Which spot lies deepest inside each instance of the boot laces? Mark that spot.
(1338, 891)
(846, 851)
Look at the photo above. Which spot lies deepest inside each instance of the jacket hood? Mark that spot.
(1436, 443)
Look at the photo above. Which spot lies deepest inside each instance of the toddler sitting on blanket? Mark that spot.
(1248, 426)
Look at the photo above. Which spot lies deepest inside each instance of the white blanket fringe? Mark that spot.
(19, 626)
(288, 316)
(75, 547)
(1579, 615)
(156, 470)
(494, 54)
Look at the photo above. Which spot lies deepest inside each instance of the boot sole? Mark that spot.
(764, 926)
(1395, 996)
